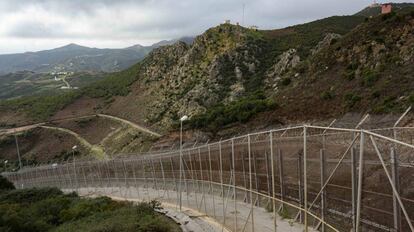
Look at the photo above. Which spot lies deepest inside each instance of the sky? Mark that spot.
(33, 25)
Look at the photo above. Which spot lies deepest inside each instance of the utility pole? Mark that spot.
(5, 165)
(74, 166)
(244, 5)
(185, 117)
(18, 152)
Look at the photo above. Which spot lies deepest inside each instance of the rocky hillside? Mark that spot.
(369, 69)
(232, 76)
(227, 65)
(221, 73)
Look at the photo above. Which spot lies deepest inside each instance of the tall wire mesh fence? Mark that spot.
(327, 179)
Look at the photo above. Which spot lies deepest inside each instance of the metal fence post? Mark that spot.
(135, 179)
(234, 184)
(202, 183)
(305, 181)
(395, 180)
(211, 181)
(163, 179)
(394, 190)
(273, 182)
(221, 183)
(323, 194)
(354, 182)
(300, 214)
(250, 181)
(360, 179)
(281, 179)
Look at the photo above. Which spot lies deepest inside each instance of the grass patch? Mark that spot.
(41, 107)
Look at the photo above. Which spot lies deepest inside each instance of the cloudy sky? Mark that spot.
(32, 25)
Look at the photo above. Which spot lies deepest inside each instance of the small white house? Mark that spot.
(254, 27)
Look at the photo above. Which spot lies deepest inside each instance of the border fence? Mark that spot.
(328, 179)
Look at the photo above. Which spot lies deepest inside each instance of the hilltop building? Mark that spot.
(375, 4)
(386, 8)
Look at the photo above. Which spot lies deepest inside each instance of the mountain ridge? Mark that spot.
(77, 58)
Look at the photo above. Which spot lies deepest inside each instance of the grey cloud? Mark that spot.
(139, 20)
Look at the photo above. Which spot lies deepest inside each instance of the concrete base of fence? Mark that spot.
(193, 216)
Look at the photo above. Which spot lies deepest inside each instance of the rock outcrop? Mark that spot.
(329, 39)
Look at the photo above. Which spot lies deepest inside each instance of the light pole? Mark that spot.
(74, 165)
(182, 119)
(18, 152)
(5, 167)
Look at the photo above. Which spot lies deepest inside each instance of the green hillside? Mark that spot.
(264, 45)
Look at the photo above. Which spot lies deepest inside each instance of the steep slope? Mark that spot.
(225, 65)
(369, 69)
(232, 76)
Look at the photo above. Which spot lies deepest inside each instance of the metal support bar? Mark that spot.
(250, 182)
(394, 189)
(272, 162)
(360, 179)
(305, 179)
(281, 180)
(323, 195)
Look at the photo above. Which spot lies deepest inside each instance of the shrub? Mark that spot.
(349, 74)
(387, 105)
(327, 95)
(369, 77)
(411, 98)
(29, 195)
(351, 99)
(237, 111)
(5, 184)
(285, 81)
(38, 210)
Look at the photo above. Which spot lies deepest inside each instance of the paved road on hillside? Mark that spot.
(32, 126)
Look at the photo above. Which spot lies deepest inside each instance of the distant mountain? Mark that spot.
(76, 58)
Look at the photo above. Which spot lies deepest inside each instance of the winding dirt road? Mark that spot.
(32, 126)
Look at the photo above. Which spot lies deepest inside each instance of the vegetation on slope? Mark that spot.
(48, 209)
(5, 184)
(27, 83)
(369, 69)
(42, 107)
(240, 111)
(306, 36)
(215, 79)
(222, 45)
